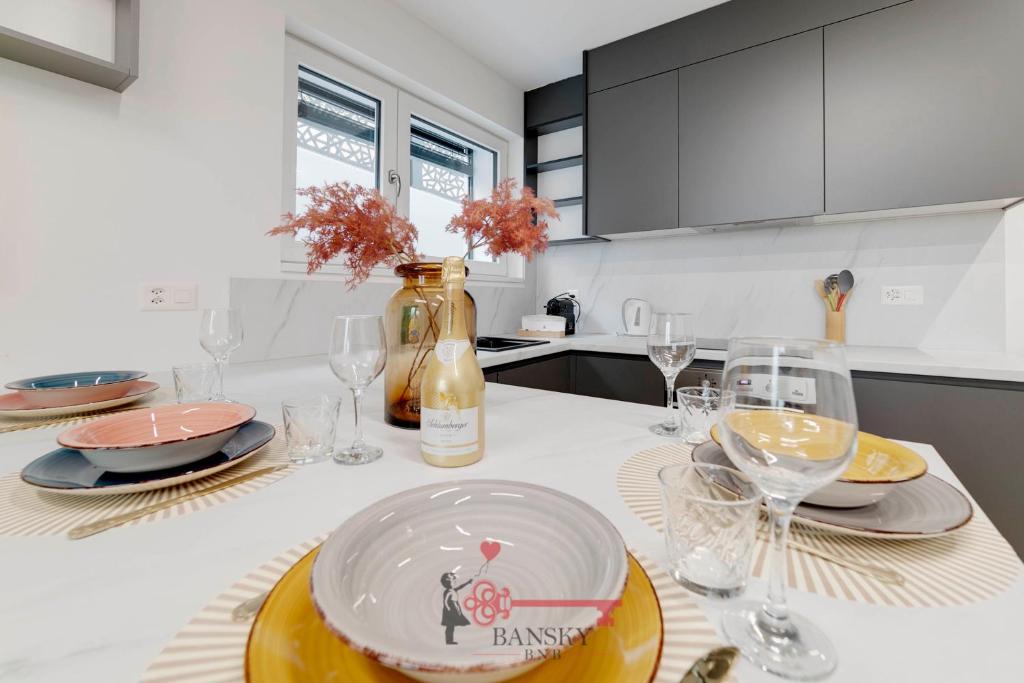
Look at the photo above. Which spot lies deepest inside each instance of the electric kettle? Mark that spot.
(636, 317)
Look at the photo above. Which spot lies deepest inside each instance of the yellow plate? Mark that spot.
(288, 642)
(877, 460)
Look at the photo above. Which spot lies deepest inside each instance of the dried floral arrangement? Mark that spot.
(362, 224)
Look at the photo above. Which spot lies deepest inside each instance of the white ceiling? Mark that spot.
(535, 42)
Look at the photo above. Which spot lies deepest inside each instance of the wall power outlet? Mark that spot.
(903, 295)
(168, 296)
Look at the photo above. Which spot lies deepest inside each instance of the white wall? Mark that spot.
(83, 25)
(179, 177)
(760, 281)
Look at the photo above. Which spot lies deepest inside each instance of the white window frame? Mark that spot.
(396, 109)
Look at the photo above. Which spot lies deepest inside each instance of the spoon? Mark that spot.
(712, 667)
(845, 280)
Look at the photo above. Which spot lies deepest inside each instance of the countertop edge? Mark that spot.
(972, 365)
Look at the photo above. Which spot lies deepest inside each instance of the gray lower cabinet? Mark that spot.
(551, 374)
(620, 378)
(633, 157)
(751, 138)
(634, 378)
(971, 425)
(922, 105)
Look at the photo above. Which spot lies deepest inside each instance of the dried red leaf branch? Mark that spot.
(505, 223)
(360, 222)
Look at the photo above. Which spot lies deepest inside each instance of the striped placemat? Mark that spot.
(14, 424)
(27, 511)
(211, 647)
(972, 564)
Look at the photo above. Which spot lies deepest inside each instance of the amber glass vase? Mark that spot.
(412, 323)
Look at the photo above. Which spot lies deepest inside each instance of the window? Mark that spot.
(336, 133)
(350, 126)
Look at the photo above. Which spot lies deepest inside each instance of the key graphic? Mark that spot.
(486, 604)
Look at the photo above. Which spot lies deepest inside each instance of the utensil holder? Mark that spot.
(835, 326)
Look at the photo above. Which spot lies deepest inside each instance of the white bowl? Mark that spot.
(377, 581)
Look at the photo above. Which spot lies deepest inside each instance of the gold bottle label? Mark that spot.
(450, 350)
(450, 431)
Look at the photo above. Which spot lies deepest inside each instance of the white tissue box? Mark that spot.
(543, 323)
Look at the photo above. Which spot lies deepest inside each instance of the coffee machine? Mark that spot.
(566, 306)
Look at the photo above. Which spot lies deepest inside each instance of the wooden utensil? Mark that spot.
(819, 285)
(117, 520)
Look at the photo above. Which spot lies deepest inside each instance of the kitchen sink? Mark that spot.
(505, 344)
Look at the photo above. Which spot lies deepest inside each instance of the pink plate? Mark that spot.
(156, 426)
(14, 404)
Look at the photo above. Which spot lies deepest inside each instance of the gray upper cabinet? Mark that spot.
(923, 105)
(751, 139)
(633, 156)
(716, 31)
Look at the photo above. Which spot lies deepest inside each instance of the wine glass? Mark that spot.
(671, 345)
(220, 333)
(357, 356)
(790, 424)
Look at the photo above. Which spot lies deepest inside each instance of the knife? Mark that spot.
(117, 520)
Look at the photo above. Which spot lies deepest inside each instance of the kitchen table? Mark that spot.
(100, 609)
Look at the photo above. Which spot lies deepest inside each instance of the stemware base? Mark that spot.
(662, 429)
(360, 455)
(800, 651)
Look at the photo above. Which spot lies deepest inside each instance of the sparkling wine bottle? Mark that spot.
(452, 391)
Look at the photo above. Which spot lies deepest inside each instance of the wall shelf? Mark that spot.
(555, 164)
(568, 201)
(555, 126)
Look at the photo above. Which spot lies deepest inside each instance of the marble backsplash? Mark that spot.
(759, 281)
(292, 317)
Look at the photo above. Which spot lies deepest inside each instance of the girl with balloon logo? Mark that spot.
(451, 610)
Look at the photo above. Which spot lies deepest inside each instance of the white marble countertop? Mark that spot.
(102, 608)
(990, 365)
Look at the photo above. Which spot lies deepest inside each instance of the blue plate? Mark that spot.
(74, 380)
(67, 471)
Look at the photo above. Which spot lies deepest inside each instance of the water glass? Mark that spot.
(310, 425)
(710, 515)
(792, 428)
(194, 382)
(357, 356)
(671, 345)
(220, 333)
(698, 411)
